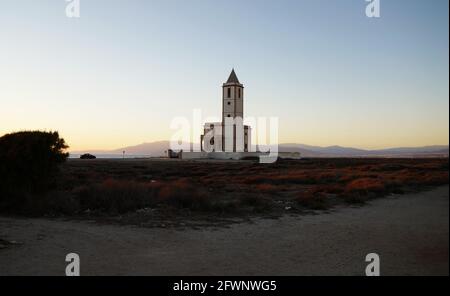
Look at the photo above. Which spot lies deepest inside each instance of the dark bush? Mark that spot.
(117, 196)
(28, 163)
(256, 202)
(182, 194)
(313, 200)
(122, 196)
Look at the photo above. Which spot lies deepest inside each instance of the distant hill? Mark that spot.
(152, 149)
(338, 151)
(324, 151)
(156, 149)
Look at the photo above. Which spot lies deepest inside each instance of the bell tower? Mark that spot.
(232, 107)
(233, 97)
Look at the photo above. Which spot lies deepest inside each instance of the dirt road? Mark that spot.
(409, 232)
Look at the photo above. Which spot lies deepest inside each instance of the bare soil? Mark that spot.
(410, 232)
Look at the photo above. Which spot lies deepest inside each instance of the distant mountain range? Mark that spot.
(339, 151)
(156, 149)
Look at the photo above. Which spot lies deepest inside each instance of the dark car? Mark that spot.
(88, 156)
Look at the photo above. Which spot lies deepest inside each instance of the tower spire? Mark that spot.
(233, 78)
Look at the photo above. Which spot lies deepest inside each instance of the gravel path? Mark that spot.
(409, 232)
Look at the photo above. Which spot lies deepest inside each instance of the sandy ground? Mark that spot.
(409, 232)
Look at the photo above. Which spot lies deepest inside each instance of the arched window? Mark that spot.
(229, 92)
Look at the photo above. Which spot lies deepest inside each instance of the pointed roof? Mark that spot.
(233, 78)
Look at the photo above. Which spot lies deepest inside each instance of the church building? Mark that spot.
(229, 135)
(230, 139)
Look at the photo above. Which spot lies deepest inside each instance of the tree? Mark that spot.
(29, 161)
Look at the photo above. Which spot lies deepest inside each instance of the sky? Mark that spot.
(121, 72)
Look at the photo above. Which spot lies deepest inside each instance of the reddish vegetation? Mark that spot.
(311, 181)
(121, 186)
(365, 186)
(266, 188)
(313, 199)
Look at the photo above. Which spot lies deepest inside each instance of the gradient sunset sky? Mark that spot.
(118, 75)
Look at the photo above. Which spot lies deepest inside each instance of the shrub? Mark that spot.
(313, 200)
(365, 186)
(121, 196)
(358, 190)
(54, 203)
(256, 202)
(182, 194)
(329, 188)
(435, 179)
(28, 164)
(117, 196)
(266, 188)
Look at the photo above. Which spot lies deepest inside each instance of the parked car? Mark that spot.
(88, 156)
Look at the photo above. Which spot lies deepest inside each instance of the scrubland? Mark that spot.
(135, 190)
